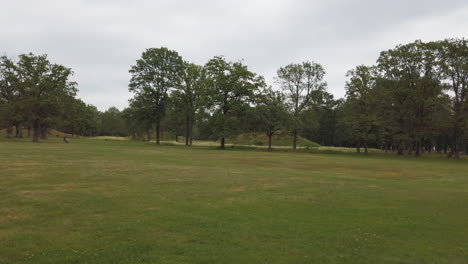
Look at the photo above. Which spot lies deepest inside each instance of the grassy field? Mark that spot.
(98, 201)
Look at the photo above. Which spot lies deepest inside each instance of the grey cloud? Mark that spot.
(100, 39)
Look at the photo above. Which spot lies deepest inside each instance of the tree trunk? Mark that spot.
(418, 149)
(365, 146)
(401, 150)
(19, 130)
(36, 131)
(29, 131)
(149, 136)
(9, 132)
(190, 131)
(187, 131)
(222, 143)
(457, 130)
(269, 140)
(43, 132)
(294, 139)
(158, 133)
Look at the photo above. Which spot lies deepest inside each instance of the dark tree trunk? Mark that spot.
(19, 130)
(222, 143)
(9, 132)
(158, 133)
(43, 132)
(29, 131)
(418, 149)
(36, 131)
(365, 146)
(270, 135)
(187, 131)
(457, 130)
(149, 136)
(401, 150)
(294, 139)
(190, 131)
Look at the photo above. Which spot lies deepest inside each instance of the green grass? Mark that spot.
(98, 201)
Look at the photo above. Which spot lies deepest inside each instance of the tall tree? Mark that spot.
(139, 116)
(11, 95)
(453, 55)
(412, 80)
(231, 86)
(271, 113)
(46, 86)
(113, 123)
(360, 91)
(301, 82)
(153, 76)
(189, 92)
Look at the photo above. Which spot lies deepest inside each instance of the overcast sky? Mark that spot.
(100, 39)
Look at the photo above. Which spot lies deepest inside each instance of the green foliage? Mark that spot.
(304, 84)
(153, 75)
(230, 88)
(113, 123)
(34, 90)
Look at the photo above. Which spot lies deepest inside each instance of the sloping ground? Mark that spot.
(280, 138)
(50, 132)
(53, 132)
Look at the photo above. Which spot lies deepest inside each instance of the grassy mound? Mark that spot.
(50, 132)
(280, 138)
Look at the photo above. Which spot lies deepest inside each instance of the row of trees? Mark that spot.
(36, 95)
(413, 100)
(221, 98)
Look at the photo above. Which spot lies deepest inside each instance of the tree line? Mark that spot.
(413, 100)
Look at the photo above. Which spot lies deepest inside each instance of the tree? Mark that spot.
(231, 86)
(139, 116)
(154, 74)
(412, 83)
(271, 113)
(360, 91)
(113, 123)
(301, 82)
(453, 58)
(189, 94)
(78, 118)
(46, 85)
(11, 97)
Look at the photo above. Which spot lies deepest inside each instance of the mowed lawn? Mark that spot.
(95, 201)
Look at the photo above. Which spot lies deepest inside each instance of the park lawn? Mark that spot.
(96, 201)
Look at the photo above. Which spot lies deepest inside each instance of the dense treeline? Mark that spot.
(413, 100)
